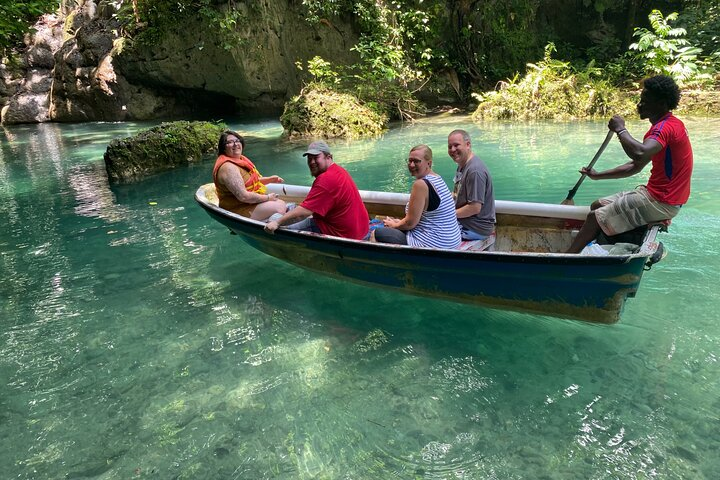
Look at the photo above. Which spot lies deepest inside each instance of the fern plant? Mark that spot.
(665, 50)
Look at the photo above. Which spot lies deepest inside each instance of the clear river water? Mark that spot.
(139, 339)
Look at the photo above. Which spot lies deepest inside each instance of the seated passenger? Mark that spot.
(333, 205)
(239, 186)
(429, 219)
(473, 190)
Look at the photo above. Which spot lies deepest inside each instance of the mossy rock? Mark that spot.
(323, 113)
(160, 148)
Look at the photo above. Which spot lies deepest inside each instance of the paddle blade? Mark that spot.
(568, 201)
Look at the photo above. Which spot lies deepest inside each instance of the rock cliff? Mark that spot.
(77, 67)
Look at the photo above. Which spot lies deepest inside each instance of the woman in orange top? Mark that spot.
(239, 186)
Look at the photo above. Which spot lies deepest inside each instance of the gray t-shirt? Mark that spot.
(474, 184)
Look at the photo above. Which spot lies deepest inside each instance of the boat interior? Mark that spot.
(515, 232)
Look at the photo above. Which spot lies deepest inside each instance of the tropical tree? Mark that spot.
(665, 50)
(17, 18)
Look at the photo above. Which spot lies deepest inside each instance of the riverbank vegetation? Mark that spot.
(566, 83)
(517, 58)
(553, 89)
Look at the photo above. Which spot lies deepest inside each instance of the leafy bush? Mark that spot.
(553, 89)
(396, 50)
(148, 21)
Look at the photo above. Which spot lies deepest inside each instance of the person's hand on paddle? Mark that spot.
(590, 172)
(617, 124)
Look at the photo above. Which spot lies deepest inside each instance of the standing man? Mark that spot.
(473, 192)
(333, 201)
(667, 145)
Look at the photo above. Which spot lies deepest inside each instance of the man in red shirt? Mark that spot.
(667, 146)
(333, 201)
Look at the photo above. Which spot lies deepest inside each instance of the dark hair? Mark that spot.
(663, 88)
(223, 140)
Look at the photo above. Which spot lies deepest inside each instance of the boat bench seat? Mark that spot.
(478, 245)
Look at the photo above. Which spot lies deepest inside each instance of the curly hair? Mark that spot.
(662, 87)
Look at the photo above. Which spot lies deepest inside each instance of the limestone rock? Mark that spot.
(255, 67)
(26, 108)
(95, 75)
(25, 93)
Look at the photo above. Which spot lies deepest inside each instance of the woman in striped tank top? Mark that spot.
(430, 219)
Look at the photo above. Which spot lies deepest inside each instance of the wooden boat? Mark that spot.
(523, 270)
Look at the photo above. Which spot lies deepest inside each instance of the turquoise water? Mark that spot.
(138, 339)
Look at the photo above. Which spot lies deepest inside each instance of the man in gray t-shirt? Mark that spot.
(473, 192)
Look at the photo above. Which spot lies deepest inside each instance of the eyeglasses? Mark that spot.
(232, 143)
(414, 161)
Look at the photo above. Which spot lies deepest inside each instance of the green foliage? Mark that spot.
(396, 50)
(318, 9)
(321, 71)
(665, 50)
(17, 18)
(491, 39)
(553, 89)
(702, 21)
(320, 112)
(153, 19)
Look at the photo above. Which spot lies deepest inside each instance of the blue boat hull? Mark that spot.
(585, 288)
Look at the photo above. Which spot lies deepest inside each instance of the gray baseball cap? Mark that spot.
(316, 148)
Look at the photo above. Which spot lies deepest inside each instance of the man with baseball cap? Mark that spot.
(333, 201)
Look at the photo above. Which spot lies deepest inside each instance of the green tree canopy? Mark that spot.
(16, 19)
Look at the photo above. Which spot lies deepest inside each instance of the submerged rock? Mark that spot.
(159, 149)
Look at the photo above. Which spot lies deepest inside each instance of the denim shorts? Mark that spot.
(468, 234)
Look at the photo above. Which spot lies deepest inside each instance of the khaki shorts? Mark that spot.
(627, 210)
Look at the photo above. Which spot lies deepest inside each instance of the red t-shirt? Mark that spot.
(336, 204)
(672, 166)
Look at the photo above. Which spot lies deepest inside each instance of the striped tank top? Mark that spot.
(438, 228)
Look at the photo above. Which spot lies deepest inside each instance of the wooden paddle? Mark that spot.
(571, 193)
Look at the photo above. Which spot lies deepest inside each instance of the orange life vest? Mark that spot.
(252, 182)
